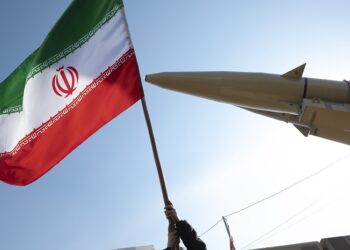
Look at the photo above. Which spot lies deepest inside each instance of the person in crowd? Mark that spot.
(181, 229)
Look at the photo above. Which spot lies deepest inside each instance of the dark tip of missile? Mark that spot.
(154, 78)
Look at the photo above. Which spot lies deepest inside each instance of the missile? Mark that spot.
(314, 106)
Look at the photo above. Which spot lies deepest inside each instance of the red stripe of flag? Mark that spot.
(121, 89)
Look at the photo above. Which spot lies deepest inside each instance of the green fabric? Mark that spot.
(78, 24)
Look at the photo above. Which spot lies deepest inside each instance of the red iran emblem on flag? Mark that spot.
(63, 83)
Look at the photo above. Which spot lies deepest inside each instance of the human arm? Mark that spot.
(184, 230)
(189, 236)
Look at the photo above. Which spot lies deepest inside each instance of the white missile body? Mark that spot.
(315, 106)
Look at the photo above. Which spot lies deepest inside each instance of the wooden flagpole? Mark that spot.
(155, 153)
(153, 141)
(156, 157)
(154, 146)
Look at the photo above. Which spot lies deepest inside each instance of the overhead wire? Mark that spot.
(263, 238)
(279, 192)
(211, 228)
(289, 187)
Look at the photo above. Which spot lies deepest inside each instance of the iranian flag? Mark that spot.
(83, 75)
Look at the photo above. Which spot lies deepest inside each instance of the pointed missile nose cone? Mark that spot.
(266, 92)
(178, 81)
(154, 78)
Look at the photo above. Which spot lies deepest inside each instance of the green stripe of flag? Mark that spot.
(78, 24)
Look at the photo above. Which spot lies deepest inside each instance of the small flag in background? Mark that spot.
(232, 245)
(83, 75)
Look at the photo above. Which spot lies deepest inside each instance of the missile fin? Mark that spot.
(296, 73)
(305, 131)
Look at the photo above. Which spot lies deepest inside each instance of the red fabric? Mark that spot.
(232, 245)
(115, 94)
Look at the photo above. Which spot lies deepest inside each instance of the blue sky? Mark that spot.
(216, 158)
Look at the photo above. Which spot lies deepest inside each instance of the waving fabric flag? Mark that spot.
(84, 74)
(232, 244)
